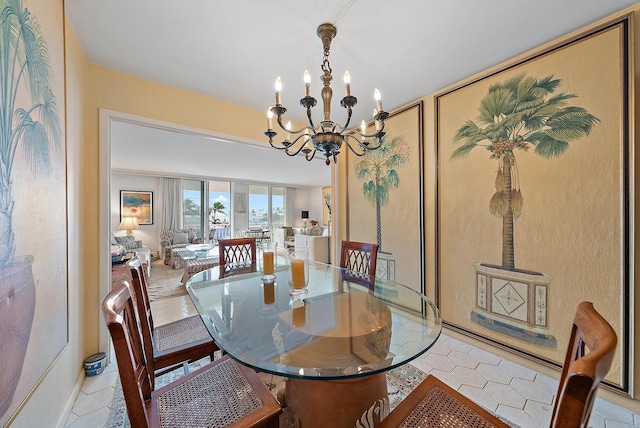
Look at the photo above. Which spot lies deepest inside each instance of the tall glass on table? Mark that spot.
(298, 270)
(268, 261)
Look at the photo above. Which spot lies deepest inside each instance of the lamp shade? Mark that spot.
(305, 214)
(128, 224)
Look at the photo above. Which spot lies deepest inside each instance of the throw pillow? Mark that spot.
(180, 238)
(315, 231)
(128, 242)
(288, 231)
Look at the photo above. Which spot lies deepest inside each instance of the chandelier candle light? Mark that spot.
(329, 136)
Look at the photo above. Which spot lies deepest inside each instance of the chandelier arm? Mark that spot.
(294, 132)
(370, 147)
(348, 144)
(349, 113)
(293, 143)
(313, 127)
(276, 147)
(271, 133)
(306, 155)
(355, 131)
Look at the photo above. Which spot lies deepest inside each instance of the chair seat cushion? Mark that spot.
(179, 333)
(434, 404)
(223, 384)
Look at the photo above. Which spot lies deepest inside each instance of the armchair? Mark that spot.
(132, 246)
(172, 239)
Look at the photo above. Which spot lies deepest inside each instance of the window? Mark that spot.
(277, 207)
(219, 210)
(192, 201)
(266, 206)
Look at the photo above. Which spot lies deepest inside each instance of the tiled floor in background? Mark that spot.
(520, 395)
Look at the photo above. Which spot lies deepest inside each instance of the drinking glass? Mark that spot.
(268, 261)
(298, 269)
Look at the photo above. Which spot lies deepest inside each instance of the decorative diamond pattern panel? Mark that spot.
(509, 298)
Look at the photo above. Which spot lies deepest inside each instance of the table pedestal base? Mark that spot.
(337, 403)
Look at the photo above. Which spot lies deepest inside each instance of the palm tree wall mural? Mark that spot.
(379, 169)
(30, 133)
(518, 114)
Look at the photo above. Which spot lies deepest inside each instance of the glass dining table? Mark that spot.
(333, 344)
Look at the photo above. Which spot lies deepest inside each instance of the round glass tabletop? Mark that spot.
(341, 328)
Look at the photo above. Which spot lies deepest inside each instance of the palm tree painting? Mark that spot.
(522, 114)
(517, 115)
(380, 171)
(24, 65)
(30, 141)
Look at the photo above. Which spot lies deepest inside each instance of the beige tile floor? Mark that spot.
(519, 394)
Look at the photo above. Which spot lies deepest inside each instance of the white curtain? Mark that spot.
(289, 198)
(171, 189)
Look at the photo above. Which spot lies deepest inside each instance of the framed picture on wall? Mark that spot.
(533, 197)
(136, 203)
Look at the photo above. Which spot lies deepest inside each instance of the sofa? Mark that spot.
(179, 238)
(129, 244)
(316, 238)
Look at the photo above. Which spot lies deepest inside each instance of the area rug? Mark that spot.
(400, 382)
(164, 282)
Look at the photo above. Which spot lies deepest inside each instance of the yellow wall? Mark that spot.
(90, 88)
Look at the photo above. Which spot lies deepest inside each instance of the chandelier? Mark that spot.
(329, 136)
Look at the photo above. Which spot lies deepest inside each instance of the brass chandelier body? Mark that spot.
(329, 136)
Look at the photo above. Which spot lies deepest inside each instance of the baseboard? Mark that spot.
(62, 422)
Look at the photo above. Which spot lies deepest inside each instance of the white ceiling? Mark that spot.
(234, 50)
(145, 148)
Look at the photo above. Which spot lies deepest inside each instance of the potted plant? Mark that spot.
(29, 121)
(314, 223)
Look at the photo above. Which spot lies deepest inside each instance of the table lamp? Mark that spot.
(129, 224)
(305, 216)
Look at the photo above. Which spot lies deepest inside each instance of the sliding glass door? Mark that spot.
(192, 202)
(266, 206)
(277, 207)
(207, 208)
(219, 210)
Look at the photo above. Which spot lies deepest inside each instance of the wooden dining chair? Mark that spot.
(582, 372)
(223, 393)
(171, 344)
(360, 260)
(435, 404)
(237, 255)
